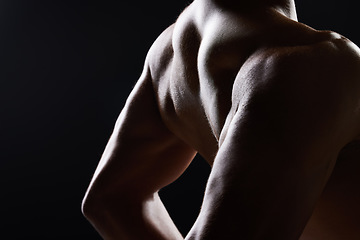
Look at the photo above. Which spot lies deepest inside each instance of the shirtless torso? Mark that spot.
(272, 105)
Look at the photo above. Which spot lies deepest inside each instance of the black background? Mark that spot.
(66, 70)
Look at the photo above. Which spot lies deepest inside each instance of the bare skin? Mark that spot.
(273, 106)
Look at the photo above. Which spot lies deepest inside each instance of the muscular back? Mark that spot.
(270, 103)
(203, 71)
(269, 85)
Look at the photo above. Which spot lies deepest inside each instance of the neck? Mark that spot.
(285, 7)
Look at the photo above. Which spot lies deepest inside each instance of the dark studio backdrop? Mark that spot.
(66, 70)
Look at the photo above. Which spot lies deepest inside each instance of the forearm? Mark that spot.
(132, 219)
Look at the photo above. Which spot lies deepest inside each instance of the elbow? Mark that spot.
(97, 205)
(92, 206)
(88, 207)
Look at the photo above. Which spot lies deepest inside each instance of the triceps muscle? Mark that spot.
(264, 184)
(142, 155)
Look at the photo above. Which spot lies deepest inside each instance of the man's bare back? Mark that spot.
(267, 101)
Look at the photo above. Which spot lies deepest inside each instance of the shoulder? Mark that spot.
(318, 81)
(171, 41)
(161, 51)
(332, 59)
(333, 51)
(330, 66)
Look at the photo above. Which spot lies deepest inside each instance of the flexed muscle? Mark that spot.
(269, 102)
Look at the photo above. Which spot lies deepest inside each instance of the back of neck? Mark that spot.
(285, 7)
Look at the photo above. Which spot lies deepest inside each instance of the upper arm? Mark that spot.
(279, 150)
(351, 65)
(142, 155)
(263, 185)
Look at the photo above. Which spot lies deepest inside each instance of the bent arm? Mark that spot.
(262, 186)
(141, 157)
(256, 191)
(276, 158)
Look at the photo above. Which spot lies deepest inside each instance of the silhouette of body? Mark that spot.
(272, 105)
